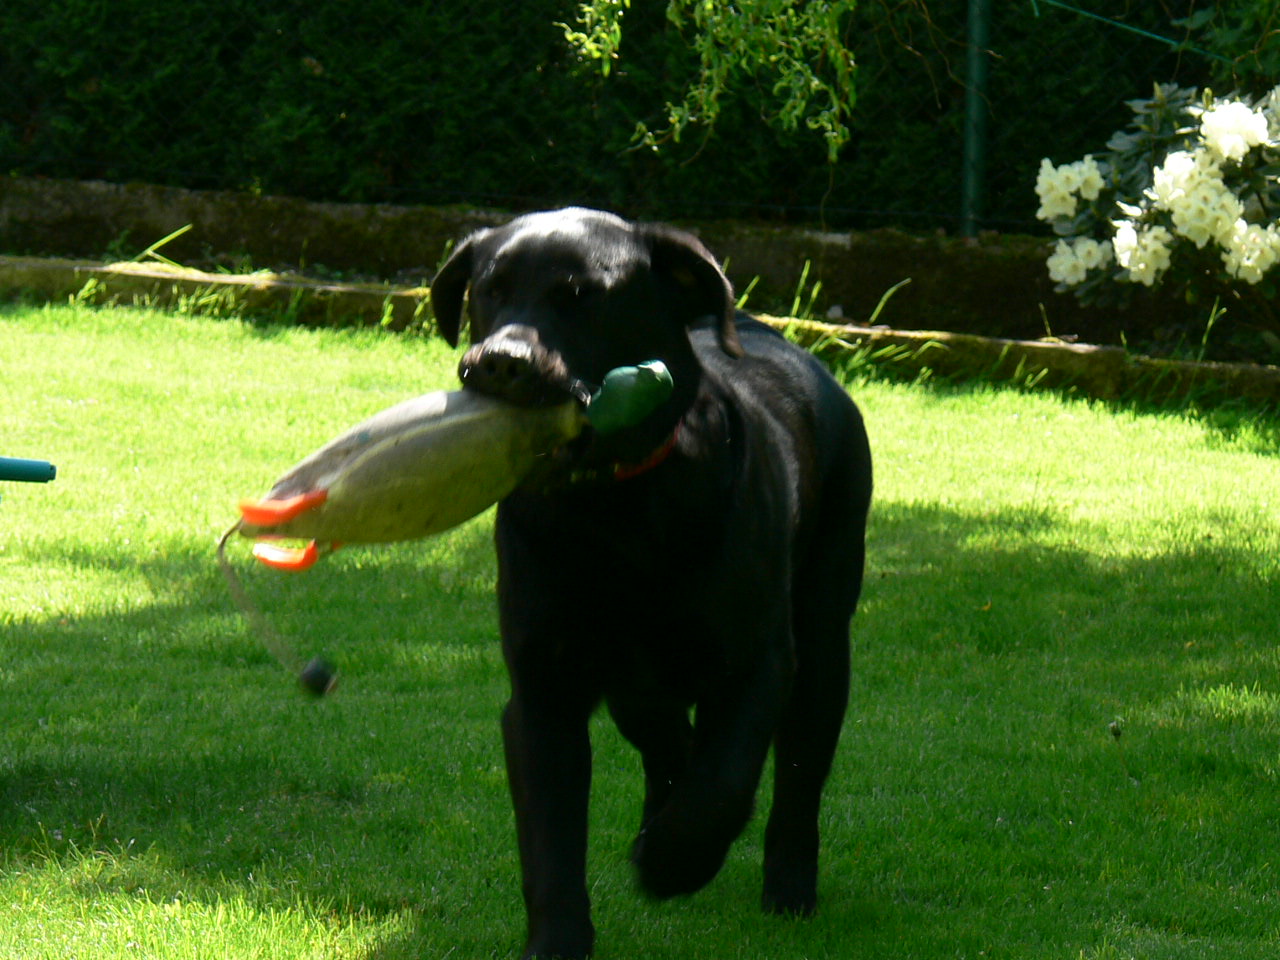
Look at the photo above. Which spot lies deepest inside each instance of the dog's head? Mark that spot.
(557, 299)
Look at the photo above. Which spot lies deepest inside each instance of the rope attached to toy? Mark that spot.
(315, 675)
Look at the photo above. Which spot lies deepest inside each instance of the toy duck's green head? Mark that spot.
(628, 395)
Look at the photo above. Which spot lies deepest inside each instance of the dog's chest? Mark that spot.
(655, 661)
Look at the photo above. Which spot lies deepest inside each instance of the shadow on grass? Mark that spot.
(161, 735)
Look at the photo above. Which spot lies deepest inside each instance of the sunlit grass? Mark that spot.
(129, 903)
(1042, 572)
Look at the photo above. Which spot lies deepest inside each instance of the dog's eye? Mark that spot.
(573, 291)
(566, 292)
(490, 289)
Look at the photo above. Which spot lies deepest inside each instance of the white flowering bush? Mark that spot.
(1188, 195)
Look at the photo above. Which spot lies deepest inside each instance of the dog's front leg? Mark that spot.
(549, 770)
(684, 845)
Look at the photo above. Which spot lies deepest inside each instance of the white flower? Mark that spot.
(1189, 186)
(1251, 250)
(1091, 182)
(1207, 212)
(1068, 177)
(1173, 177)
(1194, 196)
(1064, 265)
(1057, 186)
(1145, 255)
(1092, 253)
(1124, 243)
(1054, 187)
(1055, 204)
(1071, 260)
(1231, 129)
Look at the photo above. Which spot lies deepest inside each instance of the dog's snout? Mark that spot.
(495, 371)
(515, 367)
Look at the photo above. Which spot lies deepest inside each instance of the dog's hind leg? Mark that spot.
(825, 594)
(803, 751)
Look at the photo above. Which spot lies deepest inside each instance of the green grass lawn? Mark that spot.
(1042, 571)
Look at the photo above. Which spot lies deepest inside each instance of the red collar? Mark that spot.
(622, 470)
(625, 471)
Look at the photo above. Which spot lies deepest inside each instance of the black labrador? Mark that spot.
(705, 560)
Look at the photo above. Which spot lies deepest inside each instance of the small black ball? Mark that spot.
(318, 677)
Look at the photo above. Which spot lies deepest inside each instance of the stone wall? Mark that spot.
(995, 285)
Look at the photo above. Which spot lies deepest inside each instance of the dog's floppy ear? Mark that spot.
(682, 257)
(449, 286)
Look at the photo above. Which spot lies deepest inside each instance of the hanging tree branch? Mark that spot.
(795, 48)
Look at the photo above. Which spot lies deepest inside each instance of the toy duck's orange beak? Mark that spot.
(292, 559)
(270, 513)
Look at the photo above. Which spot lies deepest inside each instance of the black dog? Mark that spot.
(709, 557)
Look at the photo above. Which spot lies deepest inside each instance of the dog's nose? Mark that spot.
(497, 370)
(514, 367)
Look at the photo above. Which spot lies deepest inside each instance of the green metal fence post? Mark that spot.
(975, 117)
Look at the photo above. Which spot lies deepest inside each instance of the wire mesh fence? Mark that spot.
(449, 102)
(1053, 83)
(1040, 55)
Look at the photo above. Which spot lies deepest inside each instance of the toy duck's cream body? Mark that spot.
(429, 464)
(412, 470)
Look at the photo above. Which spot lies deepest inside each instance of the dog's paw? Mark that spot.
(789, 902)
(564, 945)
(669, 864)
(790, 885)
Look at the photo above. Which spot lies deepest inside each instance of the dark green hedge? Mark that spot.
(451, 101)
